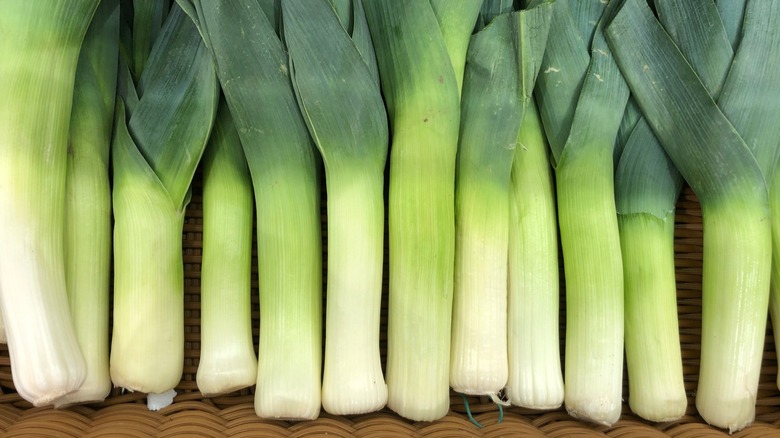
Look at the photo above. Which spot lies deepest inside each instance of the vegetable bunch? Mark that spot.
(454, 145)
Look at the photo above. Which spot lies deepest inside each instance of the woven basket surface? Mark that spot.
(233, 415)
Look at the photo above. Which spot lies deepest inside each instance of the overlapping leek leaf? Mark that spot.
(148, 18)
(716, 150)
(732, 15)
(456, 23)
(647, 187)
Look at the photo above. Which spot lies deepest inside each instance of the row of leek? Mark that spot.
(445, 96)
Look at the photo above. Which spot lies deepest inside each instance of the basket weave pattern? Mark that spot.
(233, 415)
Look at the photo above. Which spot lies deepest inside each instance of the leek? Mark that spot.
(88, 200)
(720, 166)
(749, 102)
(40, 50)
(227, 354)
(535, 377)
(338, 92)
(253, 69)
(647, 187)
(581, 99)
(154, 156)
(420, 56)
(501, 67)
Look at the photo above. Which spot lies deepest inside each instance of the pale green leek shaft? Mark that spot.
(227, 355)
(420, 85)
(40, 50)
(88, 200)
(535, 376)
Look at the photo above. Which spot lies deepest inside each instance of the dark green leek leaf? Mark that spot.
(273, 12)
(361, 36)
(602, 100)
(501, 68)
(172, 120)
(630, 118)
(646, 179)
(130, 166)
(126, 86)
(148, 18)
(587, 14)
(704, 146)
(561, 75)
(493, 8)
(732, 13)
(750, 94)
(343, 10)
(339, 97)
(697, 31)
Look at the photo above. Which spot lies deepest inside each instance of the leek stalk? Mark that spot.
(88, 200)
(719, 161)
(336, 80)
(155, 153)
(647, 187)
(40, 51)
(501, 68)
(535, 377)
(420, 55)
(227, 355)
(253, 69)
(582, 98)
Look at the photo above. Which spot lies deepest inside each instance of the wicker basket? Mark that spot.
(233, 415)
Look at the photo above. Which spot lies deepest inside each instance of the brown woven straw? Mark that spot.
(232, 415)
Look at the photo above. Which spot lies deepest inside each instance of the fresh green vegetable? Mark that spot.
(749, 102)
(155, 153)
(40, 51)
(582, 97)
(722, 153)
(253, 69)
(647, 187)
(501, 68)
(88, 200)
(335, 78)
(227, 355)
(535, 377)
(420, 48)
